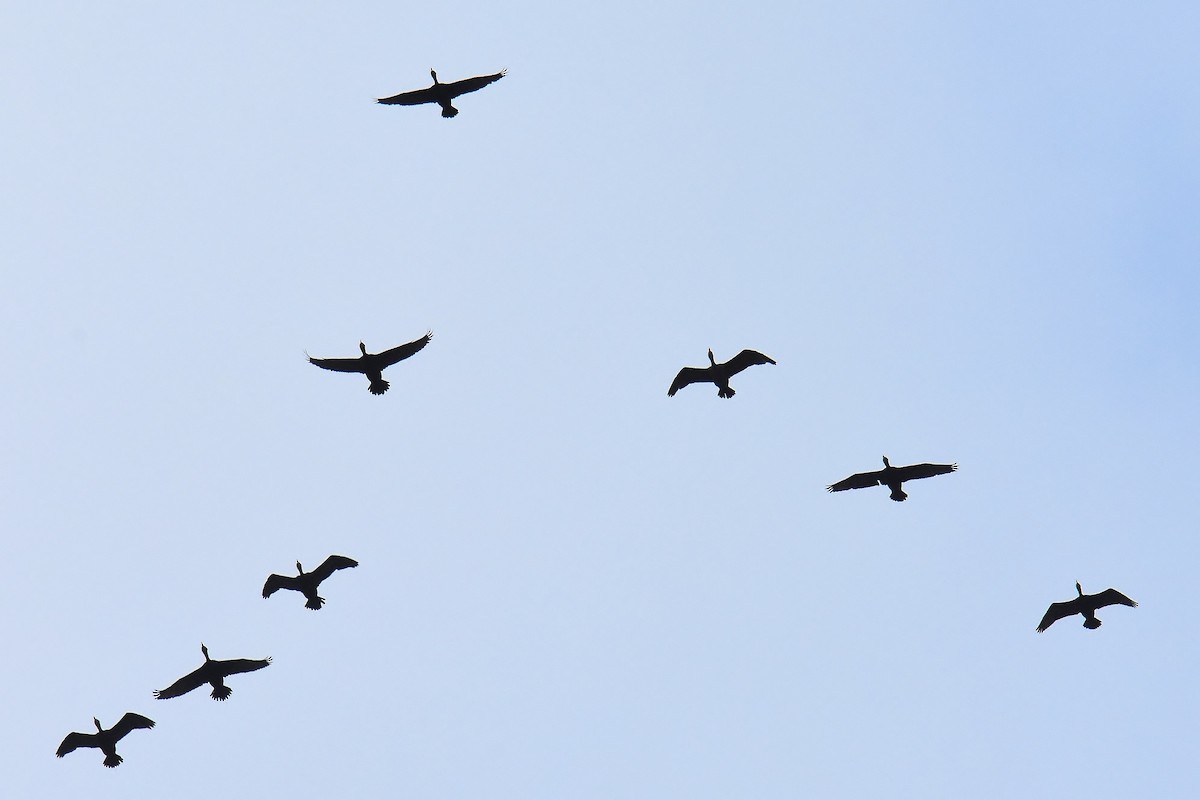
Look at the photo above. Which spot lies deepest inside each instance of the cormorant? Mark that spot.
(106, 740)
(214, 674)
(307, 582)
(373, 364)
(442, 93)
(1085, 604)
(718, 373)
(892, 477)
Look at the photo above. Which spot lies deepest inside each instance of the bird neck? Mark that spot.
(711, 361)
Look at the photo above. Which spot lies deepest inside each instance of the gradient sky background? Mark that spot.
(966, 232)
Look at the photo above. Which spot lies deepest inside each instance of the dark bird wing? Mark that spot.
(338, 364)
(75, 740)
(276, 582)
(474, 84)
(686, 376)
(914, 471)
(860, 480)
(193, 680)
(746, 358)
(235, 665)
(129, 722)
(413, 98)
(1111, 597)
(332, 564)
(389, 357)
(1057, 611)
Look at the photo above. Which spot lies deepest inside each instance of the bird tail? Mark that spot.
(1092, 624)
(899, 495)
(449, 111)
(315, 603)
(112, 761)
(726, 392)
(221, 692)
(379, 386)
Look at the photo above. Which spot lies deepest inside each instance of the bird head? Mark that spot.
(885, 462)
(711, 360)
(362, 347)
(204, 650)
(299, 568)
(434, 74)
(1079, 588)
(97, 724)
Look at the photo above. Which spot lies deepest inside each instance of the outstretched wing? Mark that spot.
(413, 98)
(75, 740)
(331, 564)
(129, 722)
(1111, 597)
(687, 375)
(193, 680)
(276, 582)
(1056, 612)
(860, 480)
(474, 84)
(338, 364)
(389, 357)
(914, 471)
(235, 665)
(747, 358)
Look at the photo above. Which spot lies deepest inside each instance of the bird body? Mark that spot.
(718, 373)
(214, 674)
(106, 740)
(373, 364)
(1085, 604)
(307, 582)
(442, 93)
(891, 477)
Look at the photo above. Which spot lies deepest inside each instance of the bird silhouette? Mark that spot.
(106, 740)
(1085, 604)
(373, 364)
(307, 582)
(214, 674)
(718, 373)
(892, 477)
(442, 93)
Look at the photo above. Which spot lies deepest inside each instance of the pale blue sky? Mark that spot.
(966, 232)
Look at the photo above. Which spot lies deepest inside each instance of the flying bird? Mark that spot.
(718, 373)
(1085, 604)
(373, 364)
(307, 582)
(214, 674)
(106, 740)
(892, 477)
(442, 93)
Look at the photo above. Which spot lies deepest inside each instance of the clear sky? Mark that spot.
(966, 231)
